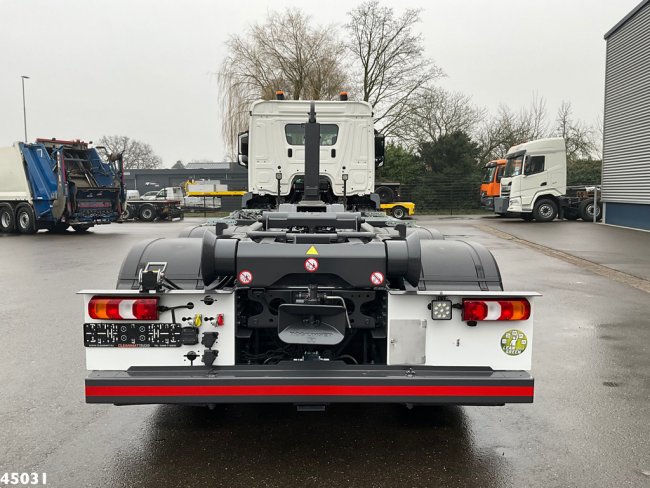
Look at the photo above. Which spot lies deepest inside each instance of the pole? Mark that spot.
(595, 203)
(23, 78)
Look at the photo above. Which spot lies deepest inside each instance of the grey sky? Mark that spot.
(146, 68)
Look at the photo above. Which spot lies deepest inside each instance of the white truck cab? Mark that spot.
(534, 180)
(273, 148)
(174, 193)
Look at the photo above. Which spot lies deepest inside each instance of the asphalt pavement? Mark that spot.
(589, 425)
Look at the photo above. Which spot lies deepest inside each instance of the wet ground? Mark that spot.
(589, 425)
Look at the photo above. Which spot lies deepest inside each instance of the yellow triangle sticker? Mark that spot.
(312, 251)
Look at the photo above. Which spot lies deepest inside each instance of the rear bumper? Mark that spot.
(317, 384)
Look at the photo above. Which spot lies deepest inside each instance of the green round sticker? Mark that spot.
(514, 342)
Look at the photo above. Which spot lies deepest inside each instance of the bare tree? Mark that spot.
(579, 138)
(508, 128)
(135, 154)
(433, 112)
(390, 60)
(285, 52)
(599, 135)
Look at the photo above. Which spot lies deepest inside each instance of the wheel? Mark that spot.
(147, 213)
(545, 210)
(25, 220)
(586, 210)
(127, 214)
(571, 213)
(386, 194)
(398, 212)
(527, 217)
(81, 228)
(7, 219)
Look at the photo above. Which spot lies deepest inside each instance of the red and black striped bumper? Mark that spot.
(322, 383)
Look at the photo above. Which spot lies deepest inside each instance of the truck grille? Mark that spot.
(505, 191)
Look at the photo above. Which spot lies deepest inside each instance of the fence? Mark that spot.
(439, 197)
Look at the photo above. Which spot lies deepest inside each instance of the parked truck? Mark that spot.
(204, 194)
(534, 185)
(491, 183)
(309, 295)
(165, 204)
(54, 184)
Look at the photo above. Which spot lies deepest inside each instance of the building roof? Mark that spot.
(207, 165)
(625, 19)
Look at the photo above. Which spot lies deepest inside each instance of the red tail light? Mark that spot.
(496, 309)
(123, 308)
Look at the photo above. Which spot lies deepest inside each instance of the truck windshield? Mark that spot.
(295, 134)
(513, 166)
(488, 175)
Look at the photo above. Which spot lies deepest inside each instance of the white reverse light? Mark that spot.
(441, 310)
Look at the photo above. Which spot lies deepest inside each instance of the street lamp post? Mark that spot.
(24, 109)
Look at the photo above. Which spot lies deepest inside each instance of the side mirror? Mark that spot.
(380, 149)
(242, 149)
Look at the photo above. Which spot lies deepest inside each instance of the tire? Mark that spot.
(586, 210)
(7, 219)
(81, 228)
(127, 214)
(386, 194)
(545, 210)
(147, 213)
(527, 217)
(399, 212)
(25, 219)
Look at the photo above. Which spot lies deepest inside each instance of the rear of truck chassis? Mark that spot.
(308, 304)
(352, 330)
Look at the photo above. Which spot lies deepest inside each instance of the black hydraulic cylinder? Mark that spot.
(312, 156)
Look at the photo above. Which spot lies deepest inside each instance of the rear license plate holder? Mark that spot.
(132, 334)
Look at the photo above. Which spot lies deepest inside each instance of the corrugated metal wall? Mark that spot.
(626, 145)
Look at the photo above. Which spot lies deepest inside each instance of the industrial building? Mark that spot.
(626, 141)
(144, 180)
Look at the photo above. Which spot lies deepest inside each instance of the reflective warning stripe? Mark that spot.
(308, 390)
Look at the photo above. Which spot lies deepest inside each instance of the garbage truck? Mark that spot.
(54, 184)
(309, 295)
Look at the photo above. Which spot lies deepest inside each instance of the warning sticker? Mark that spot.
(311, 265)
(312, 251)
(514, 342)
(377, 278)
(245, 277)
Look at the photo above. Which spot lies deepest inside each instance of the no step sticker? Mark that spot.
(245, 277)
(311, 265)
